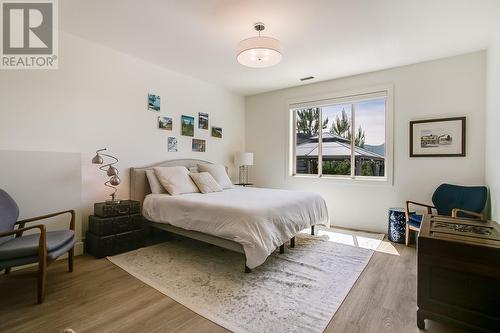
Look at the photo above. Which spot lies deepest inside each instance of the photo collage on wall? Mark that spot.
(187, 127)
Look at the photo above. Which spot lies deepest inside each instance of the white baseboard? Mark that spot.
(79, 248)
(78, 252)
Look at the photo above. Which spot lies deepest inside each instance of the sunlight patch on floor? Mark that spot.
(387, 247)
(360, 239)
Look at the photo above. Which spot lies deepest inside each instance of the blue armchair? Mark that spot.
(449, 200)
(43, 247)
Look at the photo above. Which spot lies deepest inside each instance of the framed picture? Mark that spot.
(153, 102)
(203, 120)
(187, 125)
(165, 123)
(172, 144)
(199, 145)
(437, 137)
(217, 132)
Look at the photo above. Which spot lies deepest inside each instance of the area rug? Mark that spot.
(298, 291)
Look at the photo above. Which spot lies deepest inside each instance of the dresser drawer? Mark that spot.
(103, 226)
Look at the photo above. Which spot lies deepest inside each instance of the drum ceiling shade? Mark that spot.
(258, 52)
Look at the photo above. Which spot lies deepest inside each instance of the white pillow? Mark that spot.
(205, 182)
(176, 180)
(154, 183)
(218, 172)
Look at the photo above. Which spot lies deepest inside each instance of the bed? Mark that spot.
(252, 221)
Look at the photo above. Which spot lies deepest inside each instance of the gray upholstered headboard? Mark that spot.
(139, 185)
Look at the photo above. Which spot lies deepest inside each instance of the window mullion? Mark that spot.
(320, 143)
(353, 141)
(294, 143)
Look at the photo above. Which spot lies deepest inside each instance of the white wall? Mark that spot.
(442, 88)
(31, 177)
(493, 125)
(97, 98)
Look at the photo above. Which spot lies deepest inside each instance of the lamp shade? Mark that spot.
(243, 158)
(97, 159)
(259, 52)
(112, 171)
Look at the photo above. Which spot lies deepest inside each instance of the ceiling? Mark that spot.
(322, 38)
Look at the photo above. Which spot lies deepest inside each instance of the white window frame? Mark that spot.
(347, 96)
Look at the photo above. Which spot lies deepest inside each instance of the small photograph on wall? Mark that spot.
(217, 132)
(172, 144)
(153, 103)
(199, 145)
(187, 125)
(165, 123)
(203, 120)
(437, 137)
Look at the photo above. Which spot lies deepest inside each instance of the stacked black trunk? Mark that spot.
(114, 228)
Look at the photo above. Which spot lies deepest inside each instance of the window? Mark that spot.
(342, 137)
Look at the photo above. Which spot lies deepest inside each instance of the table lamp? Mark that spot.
(110, 170)
(243, 160)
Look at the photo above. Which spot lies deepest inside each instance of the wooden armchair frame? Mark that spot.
(407, 214)
(42, 246)
(454, 213)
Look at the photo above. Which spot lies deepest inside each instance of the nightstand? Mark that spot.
(115, 228)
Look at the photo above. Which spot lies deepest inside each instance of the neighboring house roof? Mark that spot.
(302, 137)
(327, 137)
(332, 148)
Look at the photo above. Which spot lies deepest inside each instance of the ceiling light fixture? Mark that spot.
(258, 52)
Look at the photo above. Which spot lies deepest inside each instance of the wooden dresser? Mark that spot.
(458, 273)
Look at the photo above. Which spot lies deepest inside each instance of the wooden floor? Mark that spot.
(100, 297)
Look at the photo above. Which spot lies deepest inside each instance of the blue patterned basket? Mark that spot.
(396, 230)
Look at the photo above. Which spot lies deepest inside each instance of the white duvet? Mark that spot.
(257, 218)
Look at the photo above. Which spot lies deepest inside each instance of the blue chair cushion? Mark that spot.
(9, 212)
(27, 246)
(34, 259)
(415, 220)
(447, 196)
